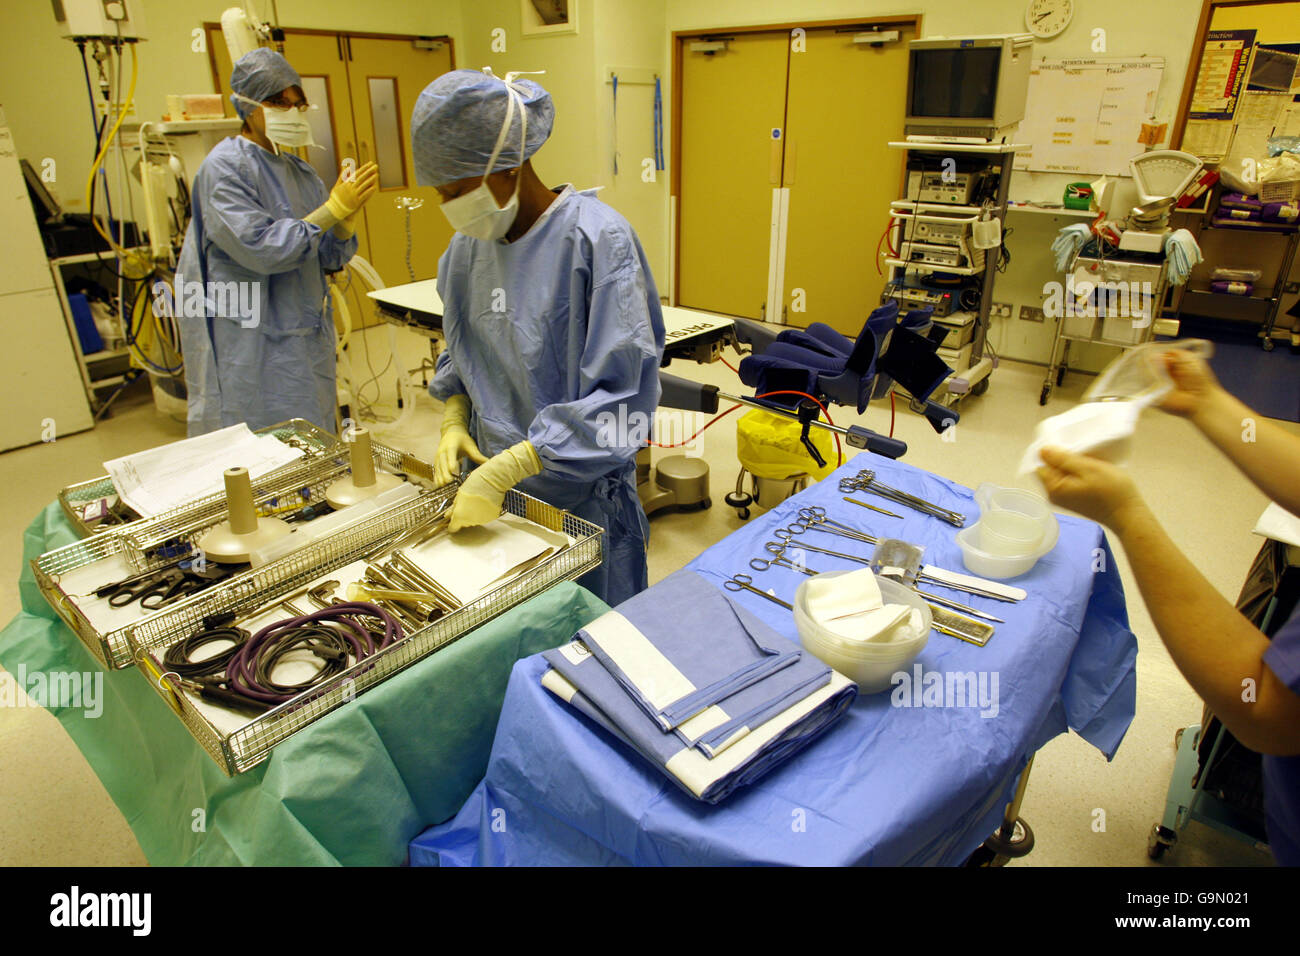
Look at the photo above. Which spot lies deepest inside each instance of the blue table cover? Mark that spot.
(896, 782)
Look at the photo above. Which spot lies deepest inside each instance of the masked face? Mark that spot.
(288, 128)
(285, 126)
(476, 214)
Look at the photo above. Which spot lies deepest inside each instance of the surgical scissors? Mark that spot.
(743, 582)
(866, 481)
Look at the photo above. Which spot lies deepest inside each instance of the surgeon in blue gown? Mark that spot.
(552, 320)
(262, 350)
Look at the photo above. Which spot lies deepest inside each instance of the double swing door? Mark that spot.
(363, 88)
(785, 175)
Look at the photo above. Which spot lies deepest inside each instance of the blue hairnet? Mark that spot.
(261, 74)
(458, 117)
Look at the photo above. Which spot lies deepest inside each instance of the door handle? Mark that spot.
(365, 151)
(774, 164)
(350, 151)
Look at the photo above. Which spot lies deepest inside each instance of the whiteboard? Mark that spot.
(1084, 115)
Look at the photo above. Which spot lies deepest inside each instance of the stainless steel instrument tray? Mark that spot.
(74, 499)
(235, 751)
(134, 547)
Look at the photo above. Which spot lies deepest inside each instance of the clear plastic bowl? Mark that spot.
(996, 566)
(1010, 533)
(869, 664)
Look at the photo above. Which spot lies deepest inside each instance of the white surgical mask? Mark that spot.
(288, 128)
(476, 213)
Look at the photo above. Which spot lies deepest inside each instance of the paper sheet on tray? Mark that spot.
(475, 560)
(165, 477)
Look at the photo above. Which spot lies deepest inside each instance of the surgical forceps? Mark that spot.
(743, 582)
(785, 534)
(814, 519)
(866, 481)
(778, 560)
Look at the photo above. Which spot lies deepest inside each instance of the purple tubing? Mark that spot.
(241, 670)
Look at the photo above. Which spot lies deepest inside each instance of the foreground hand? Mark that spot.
(1194, 383)
(477, 502)
(483, 491)
(1089, 486)
(456, 444)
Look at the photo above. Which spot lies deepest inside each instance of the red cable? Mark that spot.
(728, 364)
(707, 424)
(839, 451)
(881, 240)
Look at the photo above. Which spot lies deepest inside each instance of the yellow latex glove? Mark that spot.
(484, 489)
(456, 441)
(351, 191)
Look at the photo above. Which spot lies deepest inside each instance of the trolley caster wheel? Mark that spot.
(980, 387)
(1042, 398)
(1268, 344)
(741, 501)
(1020, 843)
(1060, 375)
(1160, 841)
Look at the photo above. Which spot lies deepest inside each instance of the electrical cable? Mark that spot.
(331, 634)
(712, 421)
(892, 222)
(122, 110)
(180, 656)
(839, 452)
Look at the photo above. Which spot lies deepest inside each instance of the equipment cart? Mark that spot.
(1108, 297)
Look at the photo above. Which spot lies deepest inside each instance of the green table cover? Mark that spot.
(352, 788)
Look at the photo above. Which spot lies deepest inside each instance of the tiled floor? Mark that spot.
(53, 810)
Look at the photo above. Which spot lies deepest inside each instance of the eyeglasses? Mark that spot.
(280, 103)
(284, 105)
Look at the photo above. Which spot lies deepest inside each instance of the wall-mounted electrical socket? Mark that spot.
(1029, 313)
(1000, 310)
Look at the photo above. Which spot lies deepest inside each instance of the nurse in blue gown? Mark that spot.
(251, 294)
(552, 320)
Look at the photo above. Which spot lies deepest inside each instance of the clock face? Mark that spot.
(1047, 18)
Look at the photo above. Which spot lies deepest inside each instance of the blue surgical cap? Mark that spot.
(261, 74)
(458, 117)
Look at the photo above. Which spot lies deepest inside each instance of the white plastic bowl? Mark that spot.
(870, 664)
(996, 566)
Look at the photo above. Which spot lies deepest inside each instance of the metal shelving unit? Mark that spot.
(998, 159)
(1257, 308)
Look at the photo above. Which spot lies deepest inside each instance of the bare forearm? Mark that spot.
(1212, 644)
(1266, 454)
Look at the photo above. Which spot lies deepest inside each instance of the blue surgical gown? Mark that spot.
(246, 226)
(557, 338)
